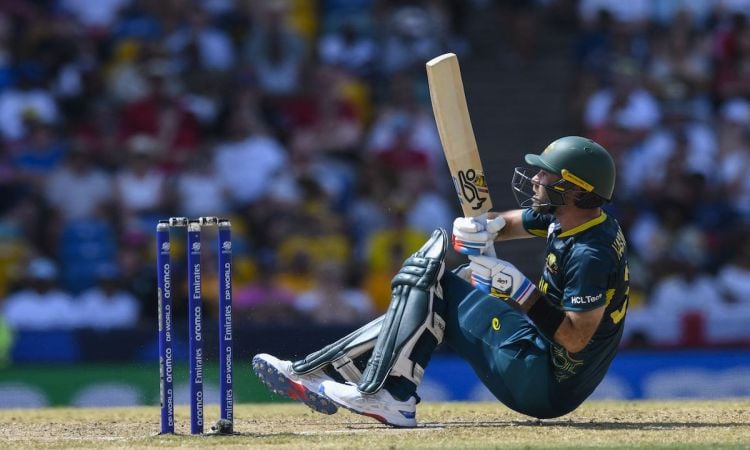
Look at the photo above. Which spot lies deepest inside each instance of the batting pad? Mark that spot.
(413, 326)
(341, 354)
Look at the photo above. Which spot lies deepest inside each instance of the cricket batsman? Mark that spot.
(540, 349)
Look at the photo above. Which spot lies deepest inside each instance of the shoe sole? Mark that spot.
(280, 384)
(380, 419)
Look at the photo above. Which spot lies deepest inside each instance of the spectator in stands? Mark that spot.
(28, 98)
(681, 65)
(275, 52)
(198, 45)
(350, 48)
(6, 62)
(377, 281)
(97, 16)
(668, 228)
(126, 81)
(396, 237)
(164, 116)
(264, 300)
(403, 107)
(520, 20)
(594, 47)
(78, 189)
(632, 14)
(734, 277)
(428, 207)
(139, 186)
(621, 115)
(322, 238)
(733, 59)
(681, 293)
(199, 191)
(107, 306)
(297, 271)
(678, 145)
(135, 247)
(38, 153)
(367, 213)
(327, 121)
(728, 324)
(734, 153)
(331, 292)
(16, 241)
(687, 289)
(39, 304)
(249, 159)
(401, 155)
(414, 34)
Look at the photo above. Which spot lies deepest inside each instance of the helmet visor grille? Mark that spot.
(524, 189)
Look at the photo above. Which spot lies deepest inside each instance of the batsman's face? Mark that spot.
(539, 181)
(538, 189)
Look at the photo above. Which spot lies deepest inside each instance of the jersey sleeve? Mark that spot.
(536, 223)
(587, 275)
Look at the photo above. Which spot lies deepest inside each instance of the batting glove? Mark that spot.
(499, 278)
(475, 235)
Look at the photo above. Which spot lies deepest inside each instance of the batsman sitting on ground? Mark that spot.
(541, 350)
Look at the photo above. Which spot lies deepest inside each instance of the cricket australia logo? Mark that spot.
(551, 263)
(226, 246)
(196, 247)
(472, 188)
(165, 247)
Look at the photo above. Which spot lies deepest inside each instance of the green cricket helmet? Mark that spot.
(579, 162)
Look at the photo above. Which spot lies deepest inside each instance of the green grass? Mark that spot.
(674, 424)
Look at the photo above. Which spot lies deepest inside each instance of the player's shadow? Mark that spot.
(585, 425)
(624, 425)
(365, 427)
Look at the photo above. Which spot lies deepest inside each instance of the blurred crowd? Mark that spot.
(274, 113)
(665, 86)
(308, 124)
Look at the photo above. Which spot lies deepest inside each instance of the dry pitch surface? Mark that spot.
(724, 424)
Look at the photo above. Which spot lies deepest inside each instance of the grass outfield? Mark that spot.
(674, 424)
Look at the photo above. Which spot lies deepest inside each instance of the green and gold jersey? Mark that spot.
(585, 268)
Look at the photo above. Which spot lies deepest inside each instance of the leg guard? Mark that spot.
(340, 356)
(414, 325)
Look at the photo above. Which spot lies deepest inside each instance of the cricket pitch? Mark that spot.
(610, 424)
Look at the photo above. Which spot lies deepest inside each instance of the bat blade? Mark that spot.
(457, 135)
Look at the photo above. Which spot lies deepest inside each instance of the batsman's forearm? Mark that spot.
(576, 331)
(513, 228)
(569, 336)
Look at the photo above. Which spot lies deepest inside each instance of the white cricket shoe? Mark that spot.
(381, 406)
(279, 377)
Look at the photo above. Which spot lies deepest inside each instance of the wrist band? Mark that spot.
(546, 316)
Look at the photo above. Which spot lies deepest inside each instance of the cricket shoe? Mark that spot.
(381, 406)
(279, 377)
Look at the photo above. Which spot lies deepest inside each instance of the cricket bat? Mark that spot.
(457, 134)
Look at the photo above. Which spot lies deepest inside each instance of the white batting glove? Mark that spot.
(499, 278)
(475, 235)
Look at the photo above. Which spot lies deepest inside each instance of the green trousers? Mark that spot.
(508, 354)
